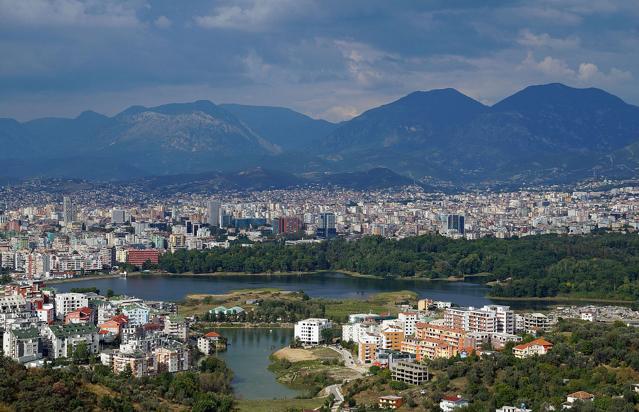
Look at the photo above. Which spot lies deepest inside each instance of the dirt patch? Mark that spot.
(295, 355)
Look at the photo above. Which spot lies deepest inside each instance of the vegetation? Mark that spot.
(98, 388)
(602, 265)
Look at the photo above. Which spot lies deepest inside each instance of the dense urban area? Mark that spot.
(98, 349)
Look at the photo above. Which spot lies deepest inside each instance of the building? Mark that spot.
(210, 343)
(287, 225)
(535, 348)
(455, 224)
(22, 345)
(326, 226)
(522, 408)
(450, 403)
(119, 216)
(309, 331)
(223, 310)
(409, 320)
(534, 323)
(390, 402)
(172, 358)
(490, 318)
(176, 326)
(139, 363)
(82, 315)
(409, 372)
(137, 313)
(64, 339)
(392, 338)
(138, 257)
(579, 396)
(68, 302)
(213, 213)
(68, 212)
(367, 347)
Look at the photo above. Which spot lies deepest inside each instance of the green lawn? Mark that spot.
(276, 405)
(379, 303)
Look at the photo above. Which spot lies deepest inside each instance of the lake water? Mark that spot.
(248, 356)
(321, 285)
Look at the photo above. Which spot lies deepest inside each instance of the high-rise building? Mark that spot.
(456, 223)
(119, 216)
(287, 225)
(67, 211)
(214, 213)
(326, 225)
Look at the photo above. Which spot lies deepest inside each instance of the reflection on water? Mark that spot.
(248, 357)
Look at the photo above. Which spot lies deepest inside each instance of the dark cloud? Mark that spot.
(328, 58)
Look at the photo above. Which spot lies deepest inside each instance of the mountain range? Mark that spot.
(541, 134)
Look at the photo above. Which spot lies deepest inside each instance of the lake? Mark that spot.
(248, 356)
(321, 285)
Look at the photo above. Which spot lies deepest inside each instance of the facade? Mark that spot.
(535, 322)
(537, 347)
(68, 302)
(174, 358)
(137, 313)
(64, 339)
(390, 402)
(309, 331)
(409, 372)
(326, 226)
(22, 345)
(490, 318)
(137, 257)
(82, 315)
(210, 343)
(287, 225)
(213, 213)
(392, 338)
(176, 327)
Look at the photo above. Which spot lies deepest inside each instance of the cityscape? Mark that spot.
(328, 206)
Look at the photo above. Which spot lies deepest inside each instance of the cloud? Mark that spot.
(163, 22)
(549, 66)
(86, 13)
(255, 15)
(530, 39)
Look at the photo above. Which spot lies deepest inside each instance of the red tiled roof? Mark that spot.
(537, 342)
(212, 335)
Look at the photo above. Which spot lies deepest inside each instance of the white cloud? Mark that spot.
(88, 13)
(549, 66)
(163, 22)
(530, 39)
(254, 15)
(587, 71)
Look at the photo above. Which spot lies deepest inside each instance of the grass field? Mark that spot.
(199, 304)
(380, 303)
(277, 405)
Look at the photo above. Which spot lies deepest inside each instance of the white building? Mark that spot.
(22, 344)
(68, 302)
(208, 343)
(64, 339)
(309, 331)
(450, 403)
(137, 313)
(409, 320)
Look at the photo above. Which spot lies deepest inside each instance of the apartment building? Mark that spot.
(490, 318)
(68, 302)
(63, 339)
(392, 338)
(309, 331)
(22, 344)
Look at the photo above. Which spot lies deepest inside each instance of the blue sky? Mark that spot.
(330, 59)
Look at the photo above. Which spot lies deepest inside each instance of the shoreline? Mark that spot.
(560, 299)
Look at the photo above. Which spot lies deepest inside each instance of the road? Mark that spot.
(337, 393)
(347, 357)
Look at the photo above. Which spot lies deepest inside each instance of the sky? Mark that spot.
(330, 59)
